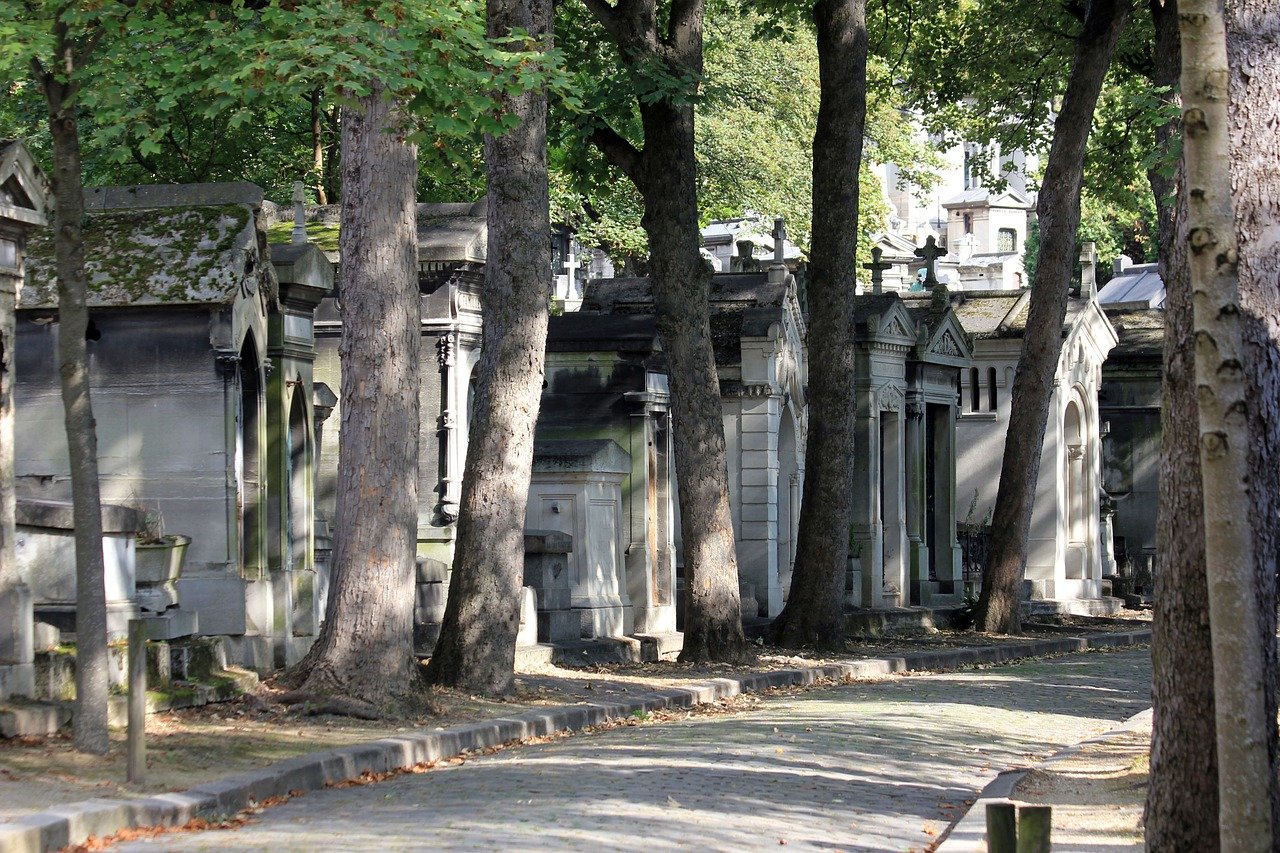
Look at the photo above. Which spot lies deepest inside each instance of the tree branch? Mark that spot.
(608, 17)
(684, 27)
(618, 151)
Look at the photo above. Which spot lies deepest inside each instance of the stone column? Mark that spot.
(917, 470)
(893, 510)
(17, 670)
(758, 513)
(949, 562)
(449, 488)
(866, 526)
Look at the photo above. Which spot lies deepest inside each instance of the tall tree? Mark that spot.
(1225, 412)
(477, 644)
(1182, 798)
(1058, 210)
(663, 53)
(1253, 52)
(814, 611)
(364, 648)
(58, 41)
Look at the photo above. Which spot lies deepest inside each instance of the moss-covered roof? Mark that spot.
(152, 256)
(1140, 330)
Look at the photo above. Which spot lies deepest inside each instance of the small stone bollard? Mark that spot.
(1018, 828)
(1002, 828)
(137, 739)
(1034, 826)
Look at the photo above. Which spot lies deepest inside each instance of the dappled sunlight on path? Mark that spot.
(874, 766)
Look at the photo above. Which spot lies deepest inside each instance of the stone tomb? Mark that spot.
(758, 335)
(24, 207)
(1064, 556)
(200, 350)
(604, 414)
(908, 356)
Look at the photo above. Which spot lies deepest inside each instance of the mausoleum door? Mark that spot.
(788, 500)
(300, 455)
(1075, 481)
(249, 440)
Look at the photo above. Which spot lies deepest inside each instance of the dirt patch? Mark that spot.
(1097, 793)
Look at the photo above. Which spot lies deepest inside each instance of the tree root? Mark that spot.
(315, 704)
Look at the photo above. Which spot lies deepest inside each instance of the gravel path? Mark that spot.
(876, 766)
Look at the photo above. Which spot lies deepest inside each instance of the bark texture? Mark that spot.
(1253, 51)
(1058, 209)
(814, 612)
(477, 644)
(664, 172)
(365, 648)
(1222, 373)
(73, 372)
(1182, 798)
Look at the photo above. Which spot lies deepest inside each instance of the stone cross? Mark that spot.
(299, 233)
(1088, 270)
(930, 251)
(779, 239)
(877, 268)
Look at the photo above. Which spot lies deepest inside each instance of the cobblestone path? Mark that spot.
(877, 766)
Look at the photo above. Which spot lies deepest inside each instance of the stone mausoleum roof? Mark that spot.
(154, 245)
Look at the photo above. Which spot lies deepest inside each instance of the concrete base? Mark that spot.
(876, 623)
(172, 624)
(604, 619)
(17, 680)
(63, 617)
(1106, 606)
(34, 720)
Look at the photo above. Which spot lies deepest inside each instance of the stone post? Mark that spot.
(1088, 270)
(917, 469)
(866, 527)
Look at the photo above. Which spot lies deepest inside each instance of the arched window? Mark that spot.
(991, 388)
(975, 395)
(1007, 240)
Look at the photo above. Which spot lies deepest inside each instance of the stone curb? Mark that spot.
(969, 834)
(60, 826)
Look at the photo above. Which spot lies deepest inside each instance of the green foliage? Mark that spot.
(189, 91)
(757, 107)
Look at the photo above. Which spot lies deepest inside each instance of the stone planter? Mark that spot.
(161, 562)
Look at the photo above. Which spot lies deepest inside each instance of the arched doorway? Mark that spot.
(299, 487)
(250, 484)
(788, 500)
(1075, 480)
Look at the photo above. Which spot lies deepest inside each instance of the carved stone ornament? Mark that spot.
(445, 350)
(890, 398)
(947, 345)
(915, 409)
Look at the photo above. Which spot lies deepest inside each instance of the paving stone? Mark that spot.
(856, 768)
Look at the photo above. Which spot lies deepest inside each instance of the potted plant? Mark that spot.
(158, 556)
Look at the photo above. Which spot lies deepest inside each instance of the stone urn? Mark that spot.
(158, 563)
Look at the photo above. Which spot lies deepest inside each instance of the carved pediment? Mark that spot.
(890, 398)
(947, 345)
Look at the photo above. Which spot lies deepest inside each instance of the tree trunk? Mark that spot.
(1058, 210)
(681, 287)
(814, 611)
(317, 147)
(1182, 798)
(82, 440)
(477, 644)
(1253, 50)
(665, 173)
(1225, 413)
(365, 648)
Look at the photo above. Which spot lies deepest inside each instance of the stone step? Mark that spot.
(663, 646)
(1105, 606)
(37, 719)
(898, 620)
